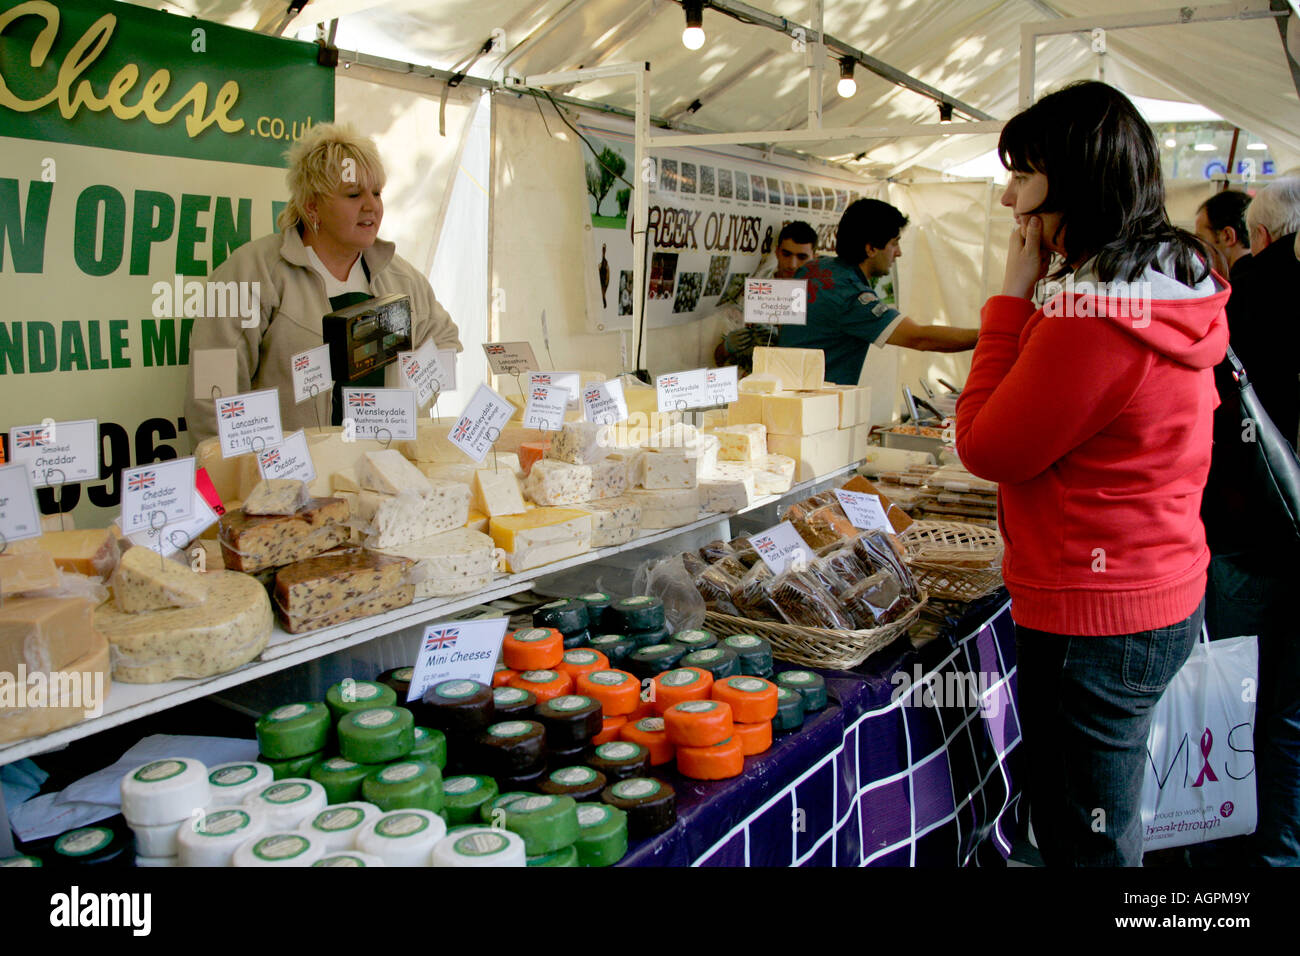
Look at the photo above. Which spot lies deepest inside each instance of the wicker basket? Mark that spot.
(812, 646)
(952, 560)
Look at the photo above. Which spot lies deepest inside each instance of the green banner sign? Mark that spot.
(118, 76)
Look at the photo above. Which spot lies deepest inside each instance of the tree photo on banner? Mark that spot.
(110, 217)
(713, 220)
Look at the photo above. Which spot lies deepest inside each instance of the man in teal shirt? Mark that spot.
(845, 316)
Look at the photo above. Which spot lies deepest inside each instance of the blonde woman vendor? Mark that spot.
(327, 255)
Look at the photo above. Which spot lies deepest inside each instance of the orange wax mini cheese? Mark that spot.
(618, 691)
(533, 649)
(502, 675)
(543, 684)
(649, 733)
(530, 453)
(684, 683)
(698, 723)
(610, 730)
(752, 699)
(722, 760)
(754, 738)
(582, 660)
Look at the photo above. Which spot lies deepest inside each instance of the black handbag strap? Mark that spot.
(1238, 368)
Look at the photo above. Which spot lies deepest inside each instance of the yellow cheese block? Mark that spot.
(796, 368)
(747, 410)
(860, 442)
(27, 570)
(74, 693)
(146, 581)
(541, 535)
(816, 454)
(92, 551)
(848, 398)
(802, 413)
(44, 634)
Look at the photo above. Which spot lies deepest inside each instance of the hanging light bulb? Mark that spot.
(1171, 143)
(847, 86)
(945, 112)
(693, 35)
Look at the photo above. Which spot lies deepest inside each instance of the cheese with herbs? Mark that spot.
(254, 542)
(276, 496)
(456, 562)
(613, 520)
(146, 581)
(397, 519)
(666, 508)
(338, 579)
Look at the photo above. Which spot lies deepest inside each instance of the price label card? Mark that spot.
(311, 368)
(776, 301)
(421, 371)
(381, 413)
(723, 385)
(603, 403)
(157, 495)
(678, 391)
(780, 546)
(242, 419)
(465, 651)
(447, 360)
(569, 381)
(57, 452)
(19, 516)
(289, 459)
(545, 407)
(510, 358)
(864, 510)
(177, 535)
(481, 423)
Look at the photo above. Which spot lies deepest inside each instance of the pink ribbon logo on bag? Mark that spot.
(1207, 742)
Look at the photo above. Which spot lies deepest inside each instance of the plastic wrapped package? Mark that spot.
(745, 552)
(390, 520)
(715, 586)
(875, 601)
(358, 607)
(316, 587)
(667, 580)
(732, 565)
(877, 550)
(844, 563)
(254, 542)
(716, 550)
(829, 577)
(751, 598)
(801, 600)
(825, 525)
(693, 562)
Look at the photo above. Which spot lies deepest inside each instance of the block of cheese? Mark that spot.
(234, 477)
(388, 473)
(432, 444)
(478, 521)
(26, 570)
(330, 454)
(44, 634)
(253, 542)
(317, 586)
(816, 455)
(639, 396)
(541, 536)
(498, 460)
(747, 443)
(746, 410)
(774, 474)
(727, 492)
(864, 404)
(448, 472)
(640, 425)
(713, 418)
(860, 442)
(848, 398)
(613, 520)
(146, 581)
(680, 438)
(92, 552)
(667, 509)
(75, 699)
(345, 479)
(796, 368)
(230, 628)
(802, 413)
(397, 519)
(581, 443)
(530, 453)
(456, 562)
(375, 603)
(633, 460)
(668, 470)
(553, 482)
(496, 492)
(276, 496)
(765, 384)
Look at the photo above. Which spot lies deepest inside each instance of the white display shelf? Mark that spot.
(128, 702)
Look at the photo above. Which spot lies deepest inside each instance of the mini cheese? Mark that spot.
(796, 368)
(581, 443)
(613, 520)
(276, 496)
(816, 454)
(456, 562)
(541, 536)
(747, 443)
(388, 473)
(803, 413)
(496, 492)
(145, 581)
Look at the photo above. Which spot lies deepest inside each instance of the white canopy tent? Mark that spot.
(752, 74)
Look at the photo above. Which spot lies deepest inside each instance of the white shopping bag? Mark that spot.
(1200, 775)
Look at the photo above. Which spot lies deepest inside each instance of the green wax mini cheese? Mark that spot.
(353, 695)
(721, 662)
(405, 785)
(568, 856)
(294, 766)
(696, 640)
(465, 796)
(341, 778)
(655, 659)
(377, 735)
(598, 604)
(547, 823)
(658, 635)
(789, 710)
(755, 654)
(293, 730)
(430, 745)
(566, 616)
(616, 647)
(602, 834)
(641, 613)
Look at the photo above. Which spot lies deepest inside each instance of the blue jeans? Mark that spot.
(1085, 711)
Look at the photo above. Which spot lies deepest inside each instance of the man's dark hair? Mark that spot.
(798, 232)
(867, 222)
(1228, 209)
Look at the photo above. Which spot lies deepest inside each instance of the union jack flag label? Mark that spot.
(495, 349)
(361, 399)
(441, 638)
(301, 362)
(766, 547)
(32, 438)
(270, 458)
(462, 429)
(668, 381)
(232, 410)
(412, 368)
(141, 481)
(761, 288)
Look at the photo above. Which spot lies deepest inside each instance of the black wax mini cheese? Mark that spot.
(577, 639)
(581, 783)
(658, 635)
(598, 604)
(459, 708)
(566, 616)
(529, 782)
(512, 748)
(789, 710)
(695, 640)
(514, 703)
(573, 757)
(616, 647)
(620, 759)
(640, 613)
(654, 659)
(809, 685)
(571, 720)
(101, 845)
(755, 654)
(650, 804)
(721, 662)
(399, 679)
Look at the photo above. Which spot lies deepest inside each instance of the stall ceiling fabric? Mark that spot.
(750, 77)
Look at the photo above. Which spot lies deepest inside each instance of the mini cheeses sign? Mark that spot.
(463, 651)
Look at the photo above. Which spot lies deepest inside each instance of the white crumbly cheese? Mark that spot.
(613, 520)
(559, 483)
(668, 470)
(581, 443)
(764, 384)
(408, 517)
(496, 492)
(634, 461)
(747, 443)
(447, 471)
(774, 474)
(388, 473)
(145, 581)
(277, 496)
(345, 479)
(456, 562)
(727, 493)
(667, 508)
(608, 479)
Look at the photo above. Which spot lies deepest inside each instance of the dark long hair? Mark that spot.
(1103, 176)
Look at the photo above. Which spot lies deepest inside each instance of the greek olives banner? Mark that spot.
(137, 150)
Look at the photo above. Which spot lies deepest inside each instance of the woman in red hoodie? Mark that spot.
(1093, 412)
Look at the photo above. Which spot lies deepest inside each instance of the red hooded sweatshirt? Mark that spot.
(1095, 415)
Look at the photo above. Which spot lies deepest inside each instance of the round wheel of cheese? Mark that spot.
(164, 791)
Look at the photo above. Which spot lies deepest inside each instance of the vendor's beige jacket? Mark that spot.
(292, 302)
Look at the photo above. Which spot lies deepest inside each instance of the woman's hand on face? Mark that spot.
(1027, 259)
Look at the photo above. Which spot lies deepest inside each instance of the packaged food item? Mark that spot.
(693, 563)
(276, 496)
(716, 550)
(359, 607)
(253, 542)
(750, 595)
(409, 516)
(844, 563)
(801, 600)
(876, 550)
(823, 525)
(745, 552)
(875, 601)
(451, 563)
(317, 586)
(732, 565)
(826, 574)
